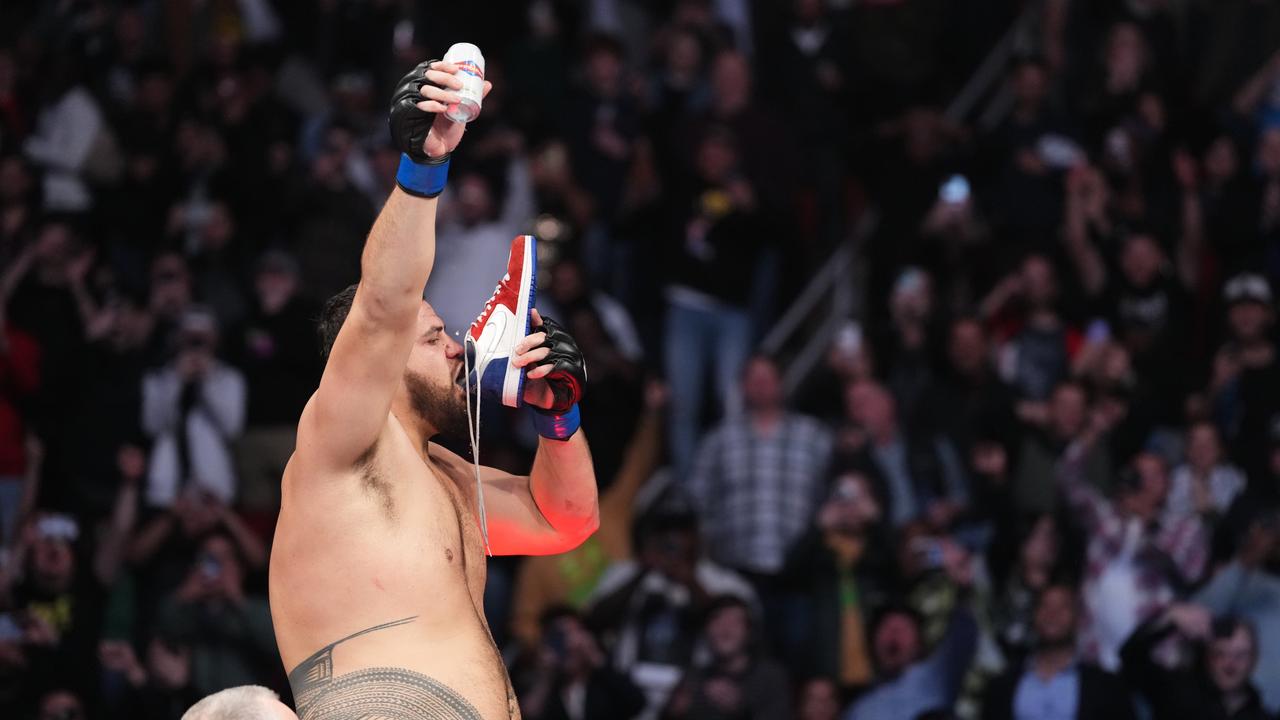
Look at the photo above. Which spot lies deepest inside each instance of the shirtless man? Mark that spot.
(378, 567)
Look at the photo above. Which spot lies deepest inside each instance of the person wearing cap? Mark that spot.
(1245, 382)
(193, 408)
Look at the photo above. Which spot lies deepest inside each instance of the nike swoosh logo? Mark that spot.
(492, 334)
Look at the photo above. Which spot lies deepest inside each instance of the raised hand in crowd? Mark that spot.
(117, 656)
(1193, 621)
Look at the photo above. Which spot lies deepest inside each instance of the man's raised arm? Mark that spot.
(368, 357)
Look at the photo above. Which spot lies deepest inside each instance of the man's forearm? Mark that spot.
(563, 483)
(398, 255)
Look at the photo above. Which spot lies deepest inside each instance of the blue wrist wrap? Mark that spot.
(557, 427)
(422, 179)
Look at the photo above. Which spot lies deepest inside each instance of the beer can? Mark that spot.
(471, 72)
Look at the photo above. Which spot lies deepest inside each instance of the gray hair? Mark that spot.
(247, 702)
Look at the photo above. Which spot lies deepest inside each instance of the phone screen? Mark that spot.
(955, 190)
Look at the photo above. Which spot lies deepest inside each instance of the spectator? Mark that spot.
(19, 379)
(1248, 588)
(1037, 566)
(650, 608)
(715, 256)
(329, 221)
(72, 141)
(909, 345)
(63, 593)
(806, 51)
(171, 294)
(108, 415)
(968, 401)
(1022, 154)
(915, 475)
(218, 264)
(614, 387)
(570, 292)
(1135, 566)
(1148, 314)
(1067, 417)
(848, 360)
(1217, 687)
(1034, 340)
(750, 125)
(1246, 376)
(603, 125)
(572, 679)
(61, 705)
(679, 90)
(158, 685)
(163, 545)
(1206, 484)
(758, 478)
(281, 363)
(193, 408)
(1226, 199)
(836, 565)
(227, 628)
(819, 699)
(910, 683)
(48, 298)
(1053, 683)
(737, 680)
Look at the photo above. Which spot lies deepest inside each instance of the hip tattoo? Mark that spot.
(379, 693)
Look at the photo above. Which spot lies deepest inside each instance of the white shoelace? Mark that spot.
(473, 429)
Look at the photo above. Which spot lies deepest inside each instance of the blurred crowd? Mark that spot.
(1038, 477)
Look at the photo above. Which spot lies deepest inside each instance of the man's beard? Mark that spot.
(444, 408)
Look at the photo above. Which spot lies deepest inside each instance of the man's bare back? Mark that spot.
(378, 566)
(399, 538)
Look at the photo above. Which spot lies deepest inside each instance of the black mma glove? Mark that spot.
(567, 380)
(419, 174)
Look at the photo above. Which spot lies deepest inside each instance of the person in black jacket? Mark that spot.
(1214, 687)
(1053, 682)
(737, 680)
(571, 679)
(840, 568)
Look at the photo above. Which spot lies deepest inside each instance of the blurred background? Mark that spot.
(932, 343)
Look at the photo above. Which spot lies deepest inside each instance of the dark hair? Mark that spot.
(1029, 60)
(604, 43)
(553, 614)
(725, 602)
(665, 522)
(759, 357)
(655, 524)
(1225, 627)
(331, 318)
(1059, 583)
(897, 608)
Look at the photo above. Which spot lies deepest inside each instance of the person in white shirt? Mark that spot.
(1205, 484)
(193, 408)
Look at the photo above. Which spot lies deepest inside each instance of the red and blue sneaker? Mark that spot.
(490, 341)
